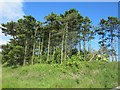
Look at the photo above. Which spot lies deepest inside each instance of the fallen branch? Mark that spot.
(94, 55)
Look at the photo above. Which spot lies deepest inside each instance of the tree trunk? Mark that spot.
(84, 50)
(39, 49)
(116, 58)
(48, 55)
(80, 46)
(42, 46)
(62, 46)
(66, 27)
(112, 47)
(24, 61)
(54, 53)
(33, 53)
(89, 46)
(115, 51)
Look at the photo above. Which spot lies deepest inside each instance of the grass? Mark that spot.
(0, 76)
(0, 71)
(85, 75)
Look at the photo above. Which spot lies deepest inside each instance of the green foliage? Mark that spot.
(108, 31)
(57, 39)
(74, 60)
(12, 54)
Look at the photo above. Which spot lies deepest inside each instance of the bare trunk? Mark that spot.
(39, 49)
(66, 27)
(48, 55)
(54, 53)
(80, 46)
(115, 51)
(84, 50)
(89, 46)
(24, 61)
(33, 55)
(42, 46)
(33, 52)
(116, 58)
(112, 47)
(62, 48)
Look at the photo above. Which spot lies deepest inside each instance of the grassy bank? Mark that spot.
(82, 75)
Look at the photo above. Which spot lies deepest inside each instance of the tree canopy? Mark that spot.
(58, 39)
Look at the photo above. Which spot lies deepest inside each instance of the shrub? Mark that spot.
(74, 60)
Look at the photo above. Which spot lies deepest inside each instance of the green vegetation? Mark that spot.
(58, 52)
(82, 75)
(58, 38)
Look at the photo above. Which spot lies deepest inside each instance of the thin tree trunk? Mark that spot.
(84, 50)
(112, 47)
(89, 46)
(33, 53)
(24, 61)
(54, 53)
(80, 46)
(116, 58)
(42, 46)
(115, 51)
(39, 49)
(48, 55)
(66, 40)
(62, 48)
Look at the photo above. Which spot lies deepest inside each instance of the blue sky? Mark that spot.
(94, 10)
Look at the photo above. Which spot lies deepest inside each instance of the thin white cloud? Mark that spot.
(10, 10)
(3, 39)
